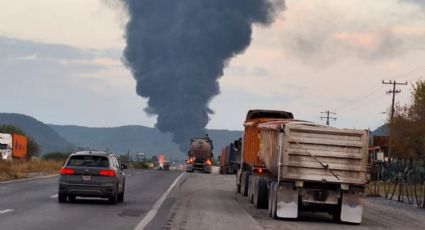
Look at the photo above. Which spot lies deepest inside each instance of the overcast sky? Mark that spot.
(60, 62)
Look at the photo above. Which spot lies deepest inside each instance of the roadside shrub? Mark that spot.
(56, 156)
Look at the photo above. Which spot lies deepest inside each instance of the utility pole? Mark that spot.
(394, 91)
(328, 117)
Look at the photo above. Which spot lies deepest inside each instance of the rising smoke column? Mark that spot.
(177, 50)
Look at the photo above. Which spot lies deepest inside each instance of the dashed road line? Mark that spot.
(54, 196)
(6, 211)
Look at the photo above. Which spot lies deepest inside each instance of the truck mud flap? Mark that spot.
(287, 201)
(351, 208)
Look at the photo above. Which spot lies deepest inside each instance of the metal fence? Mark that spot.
(399, 179)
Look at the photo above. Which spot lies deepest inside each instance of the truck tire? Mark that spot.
(244, 183)
(260, 192)
(336, 212)
(251, 189)
(238, 182)
(272, 201)
(269, 205)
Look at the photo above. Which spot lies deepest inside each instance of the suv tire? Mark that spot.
(62, 198)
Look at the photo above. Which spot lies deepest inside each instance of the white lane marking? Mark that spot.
(151, 214)
(6, 211)
(54, 196)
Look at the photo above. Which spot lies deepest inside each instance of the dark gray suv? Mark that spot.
(92, 174)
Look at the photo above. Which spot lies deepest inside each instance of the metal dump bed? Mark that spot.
(313, 152)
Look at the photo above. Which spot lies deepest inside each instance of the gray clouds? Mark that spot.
(326, 32)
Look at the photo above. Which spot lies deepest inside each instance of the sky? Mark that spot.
(61, 62)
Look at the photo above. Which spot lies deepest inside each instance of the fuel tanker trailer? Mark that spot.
(200, 155)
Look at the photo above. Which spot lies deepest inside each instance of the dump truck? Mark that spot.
(250, 162)
(12, 146)
(230, 157)
(310, 167)
(200, 155)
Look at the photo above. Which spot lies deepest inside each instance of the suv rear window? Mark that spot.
(91, 161)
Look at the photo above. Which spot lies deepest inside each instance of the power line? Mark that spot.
(394, 91)
(328, 117)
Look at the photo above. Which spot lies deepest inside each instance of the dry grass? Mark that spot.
(23, 169)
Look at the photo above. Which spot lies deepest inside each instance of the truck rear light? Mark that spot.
(66, 171)
(208, 162)
(110, 173)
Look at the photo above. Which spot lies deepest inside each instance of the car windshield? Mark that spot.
(91, 161)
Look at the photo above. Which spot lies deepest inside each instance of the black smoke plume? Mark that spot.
(177, 50)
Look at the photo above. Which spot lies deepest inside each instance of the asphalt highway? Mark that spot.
(33, 204)
(176, 200)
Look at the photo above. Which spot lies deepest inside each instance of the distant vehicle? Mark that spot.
(92, 174)
(305, 167)
(161, 160)
(230, 157)
(200, 155)
(12, 146)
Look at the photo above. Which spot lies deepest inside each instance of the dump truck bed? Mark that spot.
(313, 152)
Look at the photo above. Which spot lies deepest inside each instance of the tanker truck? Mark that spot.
(200, 155)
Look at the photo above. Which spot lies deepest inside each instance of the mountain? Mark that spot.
(46, 137)
(381, 131)
(136, 139)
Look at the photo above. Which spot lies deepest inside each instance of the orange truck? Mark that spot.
(251, 163)
(12, 146)
(230, 157)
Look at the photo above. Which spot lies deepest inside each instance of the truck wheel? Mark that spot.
(269, 206)
(244, 183)
(251, 189)
(260, 198)
(62, 198)
(272, 200)
(336, 212)
(238, 182)
(254, 190)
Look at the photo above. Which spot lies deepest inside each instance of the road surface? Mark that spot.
(33, 204)
(203, 201)
(197, 201)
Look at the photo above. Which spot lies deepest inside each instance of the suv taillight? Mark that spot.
(66, 171)
(110, 173)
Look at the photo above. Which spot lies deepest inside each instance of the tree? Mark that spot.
(32, 146)
(408, 125)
